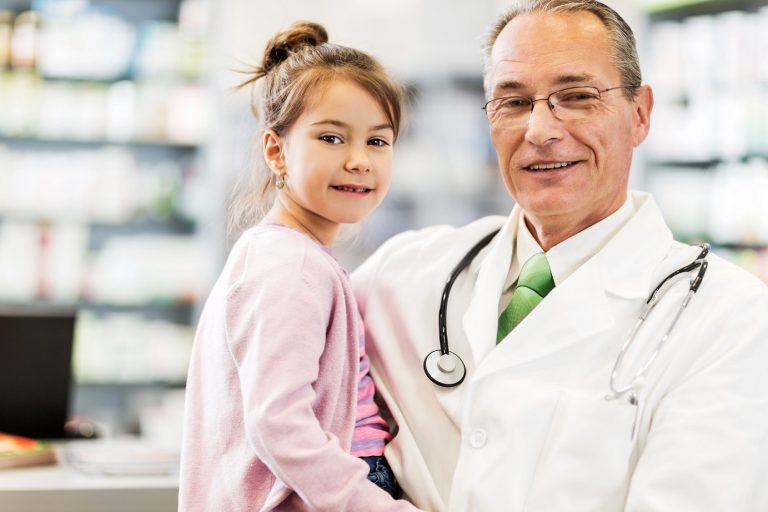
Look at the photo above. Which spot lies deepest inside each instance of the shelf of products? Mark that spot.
(707, 154)
(676, 10)
(106, 117)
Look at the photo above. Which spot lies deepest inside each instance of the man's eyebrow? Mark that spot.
(507, 85)
(575, 79)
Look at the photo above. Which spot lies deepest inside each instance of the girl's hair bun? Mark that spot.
(298, 36)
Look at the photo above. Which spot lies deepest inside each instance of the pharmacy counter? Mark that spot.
(64, 488)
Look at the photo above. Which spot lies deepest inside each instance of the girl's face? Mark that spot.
(337, 159)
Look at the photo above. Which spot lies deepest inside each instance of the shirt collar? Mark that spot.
(570, 254)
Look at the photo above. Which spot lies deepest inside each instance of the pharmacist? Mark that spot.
(538, 368)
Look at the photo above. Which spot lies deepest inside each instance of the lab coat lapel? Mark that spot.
(480, 319)
(581, 307)
(574, 311)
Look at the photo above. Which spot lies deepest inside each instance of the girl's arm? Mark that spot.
(277, 319)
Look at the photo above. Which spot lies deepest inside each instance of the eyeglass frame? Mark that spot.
(533, 101)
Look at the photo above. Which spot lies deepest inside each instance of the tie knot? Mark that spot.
(536, 275)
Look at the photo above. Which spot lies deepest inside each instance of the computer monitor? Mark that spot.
(35, 370)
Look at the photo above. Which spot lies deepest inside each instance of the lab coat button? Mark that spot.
(477, 438)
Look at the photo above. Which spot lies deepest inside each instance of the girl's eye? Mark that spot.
(378, 142)
(331, 139)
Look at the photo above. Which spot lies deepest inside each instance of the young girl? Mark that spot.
(280, 407)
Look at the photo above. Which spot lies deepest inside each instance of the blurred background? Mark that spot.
(121, 138)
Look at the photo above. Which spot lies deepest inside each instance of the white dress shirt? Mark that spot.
(568, 255)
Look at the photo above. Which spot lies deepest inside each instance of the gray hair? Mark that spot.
(625, 48)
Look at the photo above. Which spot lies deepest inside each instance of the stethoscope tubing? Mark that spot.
(437, 361)
(701, 263)
(458, 269)
(443, 367)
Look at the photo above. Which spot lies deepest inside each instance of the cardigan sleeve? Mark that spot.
(277, 317)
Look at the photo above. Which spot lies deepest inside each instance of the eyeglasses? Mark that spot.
(569, 104)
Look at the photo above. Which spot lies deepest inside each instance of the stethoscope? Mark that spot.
(446, 369)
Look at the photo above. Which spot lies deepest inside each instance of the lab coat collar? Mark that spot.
(480, 318)
(570, 254)
(622, 269)
(630, 260)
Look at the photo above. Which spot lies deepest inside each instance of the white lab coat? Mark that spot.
(530, 428)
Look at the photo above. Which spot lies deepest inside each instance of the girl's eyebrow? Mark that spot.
(333, 122)
(385, 126)
(342, 124)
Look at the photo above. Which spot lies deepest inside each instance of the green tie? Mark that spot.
(534, 283)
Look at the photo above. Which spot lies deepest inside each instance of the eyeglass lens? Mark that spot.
(568, 104)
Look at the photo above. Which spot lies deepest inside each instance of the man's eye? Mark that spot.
(514, 103)
(577, 97)
(331, 139)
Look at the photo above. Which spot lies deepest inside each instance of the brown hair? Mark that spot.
(623, 40)
(298, 63)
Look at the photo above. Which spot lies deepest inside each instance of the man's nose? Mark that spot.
(543, 126)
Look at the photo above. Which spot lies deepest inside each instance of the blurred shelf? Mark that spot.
(176, 224)
(15, 5)
(142, 118)
(174, 80)
(134, 11)
(101, 232)
(142, 10)
(33, 142)
(705, 164)
(119, 386)
(716, 245)
(679, 9)
(18, 308)
(684, 164)
(180, 312)
(168, 78)
(739, 246)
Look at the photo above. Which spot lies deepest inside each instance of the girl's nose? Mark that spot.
(358, 161)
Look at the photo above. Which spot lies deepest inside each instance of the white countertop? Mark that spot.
(61, 487)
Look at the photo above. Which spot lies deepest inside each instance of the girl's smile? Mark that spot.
(336, 159)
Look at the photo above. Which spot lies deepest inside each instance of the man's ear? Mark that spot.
(273, 151)
(643, 105)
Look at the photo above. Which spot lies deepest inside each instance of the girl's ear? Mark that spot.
(272, 148)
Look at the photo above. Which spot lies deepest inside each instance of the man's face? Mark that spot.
(534, 56)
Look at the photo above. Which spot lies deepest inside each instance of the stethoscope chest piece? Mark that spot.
(445, 370)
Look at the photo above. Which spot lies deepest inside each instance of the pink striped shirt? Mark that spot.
(371, 431)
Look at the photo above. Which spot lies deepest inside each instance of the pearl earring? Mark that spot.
(280, 181)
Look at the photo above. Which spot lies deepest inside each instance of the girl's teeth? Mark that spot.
(349, 189)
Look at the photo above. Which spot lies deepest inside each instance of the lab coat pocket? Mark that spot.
(585, 461)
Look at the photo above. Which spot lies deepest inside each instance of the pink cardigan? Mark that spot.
(272, 386)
